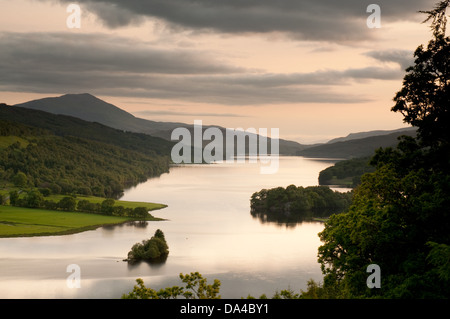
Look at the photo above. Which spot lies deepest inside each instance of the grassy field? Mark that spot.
(99, 200)
(18, 222)
(21, 222)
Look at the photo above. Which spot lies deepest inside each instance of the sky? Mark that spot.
(312, 68)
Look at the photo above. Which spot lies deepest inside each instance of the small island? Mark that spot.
(154, 249)
(297, 204)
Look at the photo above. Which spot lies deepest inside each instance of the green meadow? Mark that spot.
(20, 222)
(25, 222)
(99, 200)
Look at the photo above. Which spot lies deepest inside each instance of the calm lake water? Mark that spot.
(209, 229)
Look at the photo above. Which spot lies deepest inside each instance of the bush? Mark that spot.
(67, 203)
(13, 198)
(34, 199)
(151, 249)
(140, 212)
(51, 205)
(45, 191)
(108, 206)
(20, 180)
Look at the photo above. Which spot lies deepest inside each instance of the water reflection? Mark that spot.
(155, 263)
(208, 229)
(136, 223)
(291, 219)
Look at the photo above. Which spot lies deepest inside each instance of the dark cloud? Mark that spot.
(100, 52)
(404, 58)
(106, 65)
(324, 20)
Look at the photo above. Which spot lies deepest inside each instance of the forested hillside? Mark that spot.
(354, 148)
(68, 155)
(346, 173)
(63, 125)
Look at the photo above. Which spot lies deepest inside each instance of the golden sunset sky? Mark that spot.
(311, 68)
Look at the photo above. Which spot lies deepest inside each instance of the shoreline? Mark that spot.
(38, 222)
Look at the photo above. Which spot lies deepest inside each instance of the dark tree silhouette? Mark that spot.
(425, 95)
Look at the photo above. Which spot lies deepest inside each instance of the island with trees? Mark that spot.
(154, 249)
(400, 215)
(295, 204)
(399, 218)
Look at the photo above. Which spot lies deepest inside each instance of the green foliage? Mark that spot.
(68, 165)
(347, 172)
(395, 212)
(86, 206)
(107, 206)
(297, 203)
(68, 155)
(13, 197)
(400, 216)
(30, 122)
(196, 287)
(33, 199)
(152, 249)
(20, 180)
(439, 257)
(44, 222)
(45, 191)
(140, 212)
(68, 203)
(424, 97)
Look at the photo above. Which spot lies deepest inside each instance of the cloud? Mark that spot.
(107, 65)
(324, 20)
(100, 52)
(404, 58)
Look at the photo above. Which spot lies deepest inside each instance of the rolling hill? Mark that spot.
(63, 125)
(90, 108)
(69, 155)
(353, 148)
(360, 135)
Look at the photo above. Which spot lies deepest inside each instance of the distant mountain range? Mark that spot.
(362, 135)
(90, 108)
(355, 148)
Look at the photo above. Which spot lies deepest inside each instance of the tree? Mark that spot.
(152, 249)
(140, 212)
(67, 203)
(13, 197)
(424, 97)
(108, 206)
(45, 191)
(400, 215)
(34, 199)
(159, 234)
(196, 287)
(20, 180)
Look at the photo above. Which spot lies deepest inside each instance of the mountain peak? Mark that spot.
(84, 106)
(80, 95)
